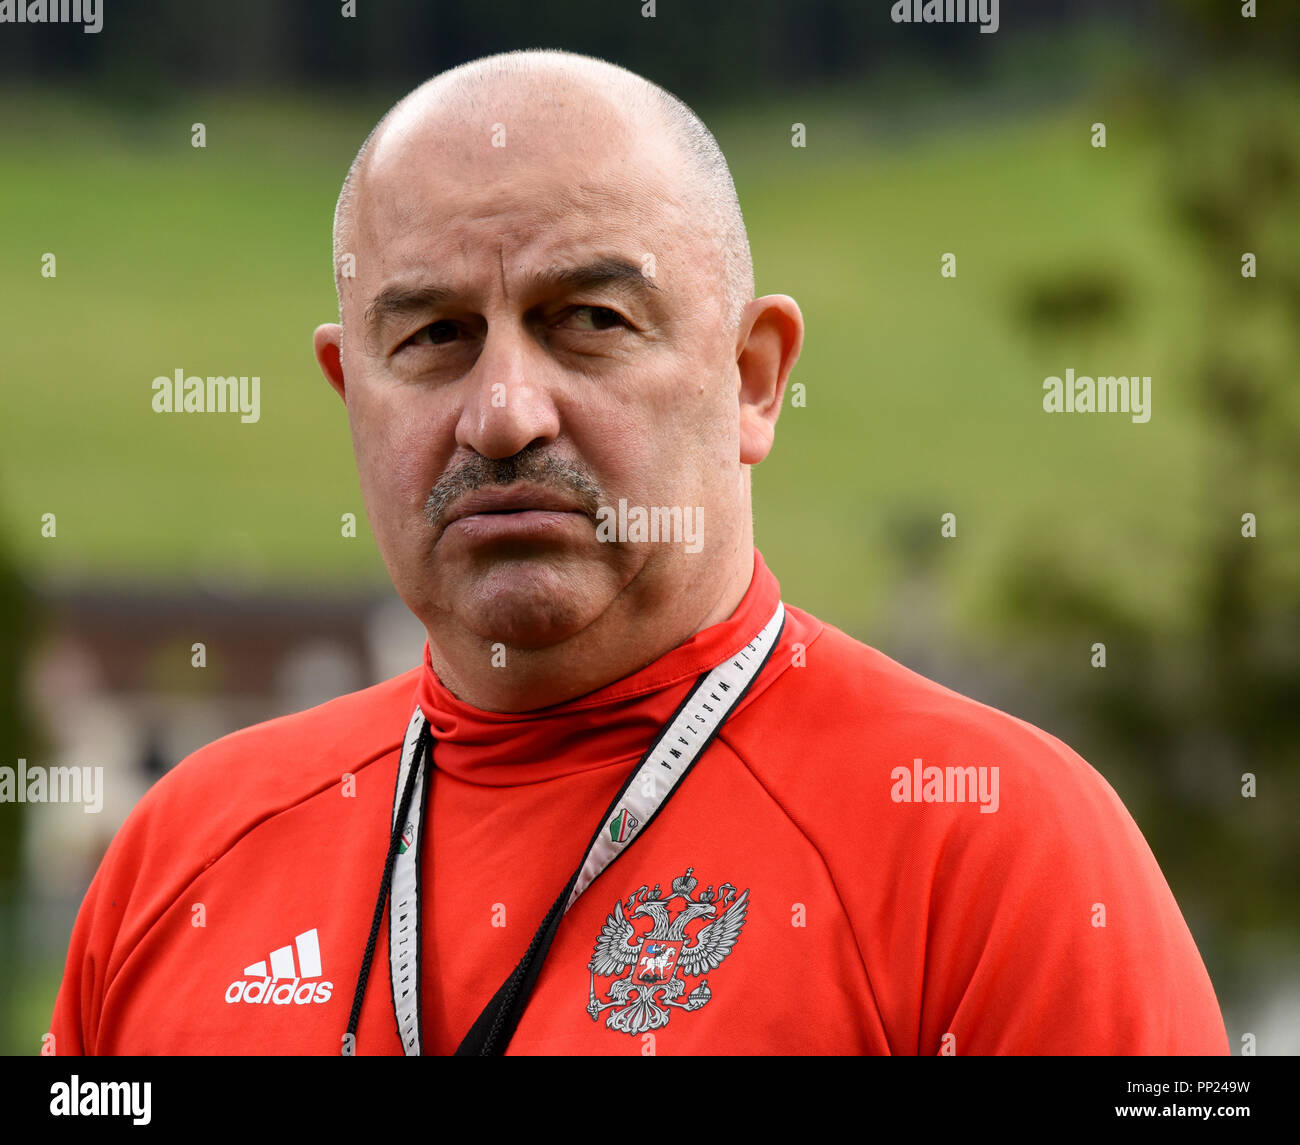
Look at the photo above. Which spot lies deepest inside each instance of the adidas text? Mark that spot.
(295, 991)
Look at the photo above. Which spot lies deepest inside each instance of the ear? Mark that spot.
(327, 342)
(767, 346)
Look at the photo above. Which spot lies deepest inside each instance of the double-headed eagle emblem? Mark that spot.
(647, 966)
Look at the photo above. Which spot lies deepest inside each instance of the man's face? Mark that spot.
(499, 311)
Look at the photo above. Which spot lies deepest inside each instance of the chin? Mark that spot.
(532, 604)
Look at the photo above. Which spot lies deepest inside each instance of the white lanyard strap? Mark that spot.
(682, 740)
(404, 905)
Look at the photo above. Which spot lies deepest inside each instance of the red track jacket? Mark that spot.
(892, 868)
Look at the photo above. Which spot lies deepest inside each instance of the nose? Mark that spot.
(508, 405)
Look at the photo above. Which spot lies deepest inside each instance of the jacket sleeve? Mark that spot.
(77, 1005)
(98, 945)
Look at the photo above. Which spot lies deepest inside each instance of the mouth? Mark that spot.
(490, 514)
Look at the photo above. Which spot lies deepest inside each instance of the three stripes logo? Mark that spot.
(283, 982)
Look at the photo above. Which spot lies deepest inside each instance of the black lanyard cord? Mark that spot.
(385, 883)
(506, 1008)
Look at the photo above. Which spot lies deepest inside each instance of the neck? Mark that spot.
(626, 637)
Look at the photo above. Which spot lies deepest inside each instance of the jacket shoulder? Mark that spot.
(221, 792)
(290, 757)
(972, 850)
(217, 795)
(840, 693)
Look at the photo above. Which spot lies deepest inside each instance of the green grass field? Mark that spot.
(923, 393)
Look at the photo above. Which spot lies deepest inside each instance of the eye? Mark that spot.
(435, 334)
(594, 318)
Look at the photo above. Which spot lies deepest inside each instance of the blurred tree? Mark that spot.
(1184, 718)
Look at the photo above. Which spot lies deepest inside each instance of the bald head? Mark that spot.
(577, 89)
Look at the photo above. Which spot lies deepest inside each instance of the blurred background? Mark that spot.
(922, 394)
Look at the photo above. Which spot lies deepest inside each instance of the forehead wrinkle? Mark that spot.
(616, 218)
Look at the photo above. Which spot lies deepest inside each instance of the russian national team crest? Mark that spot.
(648, 963)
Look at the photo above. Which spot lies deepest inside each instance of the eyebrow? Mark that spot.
(401, 301)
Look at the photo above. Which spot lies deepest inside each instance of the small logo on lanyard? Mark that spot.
(622, 825)
(408, 837)
(646, 964)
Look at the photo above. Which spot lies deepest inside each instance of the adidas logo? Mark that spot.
(259, 984)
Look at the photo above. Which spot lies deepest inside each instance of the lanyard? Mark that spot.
(671, 755)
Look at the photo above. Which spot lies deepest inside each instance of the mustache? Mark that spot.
(530, 465)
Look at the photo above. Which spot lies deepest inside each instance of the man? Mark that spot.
(630, 803)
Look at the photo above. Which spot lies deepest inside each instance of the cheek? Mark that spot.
(397, 456)
(700, 413)
(665, 442)
(627, 440)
